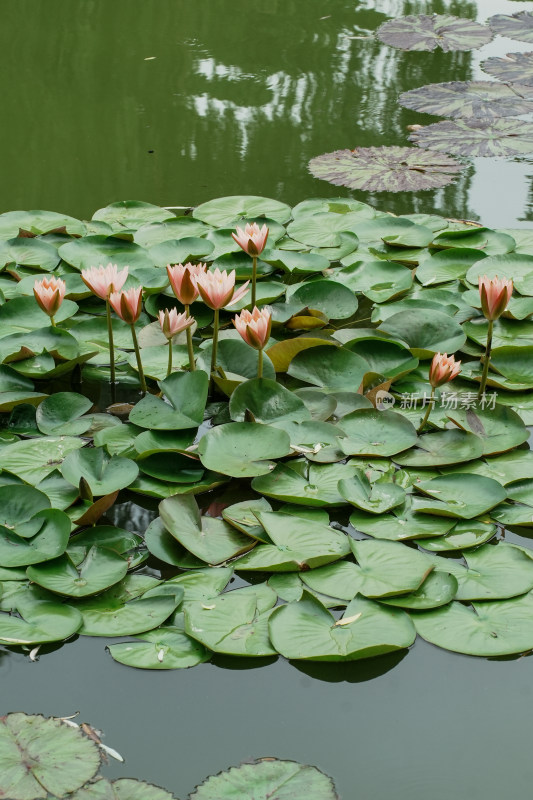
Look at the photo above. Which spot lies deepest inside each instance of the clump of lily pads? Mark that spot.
(352, 446)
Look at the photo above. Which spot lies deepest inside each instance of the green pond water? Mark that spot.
(174, 103)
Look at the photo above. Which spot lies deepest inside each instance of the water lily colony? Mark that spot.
(327, 402)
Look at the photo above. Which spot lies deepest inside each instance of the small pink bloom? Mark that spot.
(103, 281)
(128, 305)
(217, 289)
(443, 368)
(49, 293)
(252, 239)
(254, 327)
(495, 294)
(172, 323)
(183, 278)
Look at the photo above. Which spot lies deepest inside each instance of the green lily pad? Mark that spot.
(295, 262)
(336, 368)
(442, 448)
(447, 265)
(224, 211)
(262, 780)
(426, 331)
(100, 569)
(243, 517)
(94, 250)
(38, 623)
(512, 466)
(307, 630)
(187, 393)
(331, 298)
(515, 26)
(40, 756)
(121, 789)
(384, 569)
(208, 538)
(462, 536)
(484, 99)
(380, 281)
(60, 414)
(298, 544)
(163, 648)
(376, 433)
(149, 442)
(496, 573)
(487, 629)
(17, 507)
(267, 401)
(375, 498)
(48, 541)
(202, 584)
(438, 589)
(234, 623)
(34, 459)
(167, 549)
(242, 449)
(459, 495)
(514, 363)
(499, 428)
(108, 615)
(424, 32)
(115, 539)
(477, 137)
(402, 524)
(103, 474)
(305, 484)
(132, 214)
(384, 169)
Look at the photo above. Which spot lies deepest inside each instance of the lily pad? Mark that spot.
(370, 432)
(103, 474)
(441, 448)
(263, 780)
(484, 99)
(60, 414)
(500, 428)
(510, 68)
(243, 517)
(298, 544)
(462, 536)
(187, 396)
(375, 498)
(459, 495)
(224, 211)
(267, 401)
(496, 573)
(163, 648)
(208, 538)
(305, 484)
(234, 623)
(424, 32)
(34, 459)
(400, 525)
(49, 541)
(41, 756)
(307, 630)
(242, 449)
(515, 26)
(438, 589)
(336, 368)
(100, 569)
(39, 622)
(385, 169)
(108, 615)
(121, 789)
(487, 629)
(426, 331)
(477, 137)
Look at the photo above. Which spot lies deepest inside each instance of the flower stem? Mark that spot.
(139, 362)
(486, 361)
(428, 410)
(52, 322)
(215, 347)
(260, 364)
(190, 350)
(254, 278)
(111, 342)
(169, 368)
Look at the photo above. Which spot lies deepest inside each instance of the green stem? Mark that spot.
(111, 342)
(428, 410)
(169, 368)
(139, 362)
(254, 278)
(215, 346)
(486, 361)
(190, 350)
(53, 322)
(260, 364)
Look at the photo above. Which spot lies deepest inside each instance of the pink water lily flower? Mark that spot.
(254, 326)
(182, 278)
(217, 288)
(103, 281)
(495, 294)
(443, 368)
(252, 239)
(49, 293)
(173, 323)
(128, 304)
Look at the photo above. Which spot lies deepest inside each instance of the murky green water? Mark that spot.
(176, 102)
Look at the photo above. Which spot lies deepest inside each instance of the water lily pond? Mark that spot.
(302, 533)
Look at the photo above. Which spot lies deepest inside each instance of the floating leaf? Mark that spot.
(510, 68)
(306, 484)
(60, 414)
(515, 26)
(470, 99)
(307, 630)
(459, 495)
(163, 648)
(385, 169)
(438, 589)
(477, 137)
(462, 536)
(500, 428)
(39, 622)
(187, 395)
(121, 789)
(442, 448)
(402, 524)
(330, 368)
(496, 573)
(100, 569)
(487, 629)
(107, 614)
(426, 331)
(375, 498)
(103, 474)
(267, 401)
(49, 541)
(370, 432)
(263, 780)
(40, 756)
(224, 211)
(242, 449)
(424, 32)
